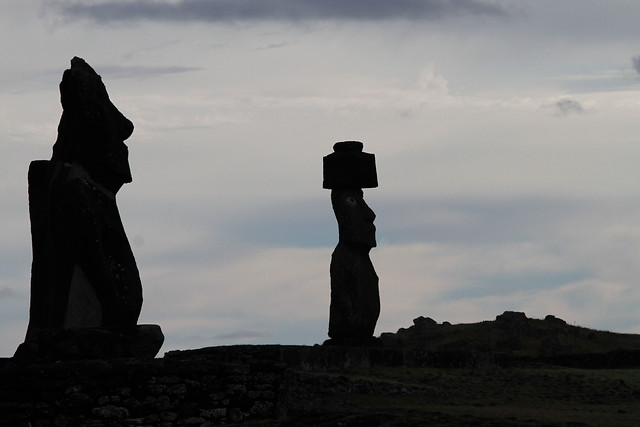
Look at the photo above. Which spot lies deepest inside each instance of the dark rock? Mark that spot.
(422, 322)
(84, 274)
(194, 421)
(512, 316)
(355, 342)
(355, 298)
(110, 412)
(554, 320)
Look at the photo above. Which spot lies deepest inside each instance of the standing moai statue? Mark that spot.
(355, 298)
(86, 293)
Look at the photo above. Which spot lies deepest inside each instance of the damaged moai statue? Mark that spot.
(355, 299)
(86, 293)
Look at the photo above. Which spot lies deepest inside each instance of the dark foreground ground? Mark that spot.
(513, 371)
(320, 386)
(523, 396)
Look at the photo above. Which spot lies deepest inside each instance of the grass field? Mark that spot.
(545, 396)
(533, 387)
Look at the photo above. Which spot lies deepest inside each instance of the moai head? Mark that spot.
(355, 218)
(92, 131)
(346, 171)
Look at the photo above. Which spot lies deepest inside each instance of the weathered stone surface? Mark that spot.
(355, 298)
(93, 343)
(84, 274)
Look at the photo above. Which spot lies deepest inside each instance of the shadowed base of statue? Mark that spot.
(141, 341)
(354, 342)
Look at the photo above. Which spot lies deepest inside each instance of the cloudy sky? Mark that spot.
(506, 135)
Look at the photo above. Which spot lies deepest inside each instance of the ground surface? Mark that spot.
(400, 396)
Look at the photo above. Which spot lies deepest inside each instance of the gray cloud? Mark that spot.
(124, 72)
(474, 221)
(311, 224)
(244, 334)
(567, 106)
(272, 46)
(636, 63)
(6, 292)
(287, 10)
(504, 283)
(407, 220)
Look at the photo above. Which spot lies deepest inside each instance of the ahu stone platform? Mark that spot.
(229, 385)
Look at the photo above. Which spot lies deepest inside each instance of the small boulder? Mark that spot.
(511, 316)
(554, 320)
(424, 322)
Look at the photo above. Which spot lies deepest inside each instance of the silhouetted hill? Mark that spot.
(511, 334)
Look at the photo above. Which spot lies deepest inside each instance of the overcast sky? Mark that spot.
(506, 136)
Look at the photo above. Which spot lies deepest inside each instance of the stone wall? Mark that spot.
(209, 386)
(230, 385)
(183, 390)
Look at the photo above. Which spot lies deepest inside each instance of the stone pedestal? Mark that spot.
(142, 341)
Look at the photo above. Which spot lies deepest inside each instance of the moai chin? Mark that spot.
(355, 298)
(86, 293)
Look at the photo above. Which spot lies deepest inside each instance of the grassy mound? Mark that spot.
(510, 333)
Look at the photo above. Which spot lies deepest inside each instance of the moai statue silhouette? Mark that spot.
(86, 293)
(355, 298)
